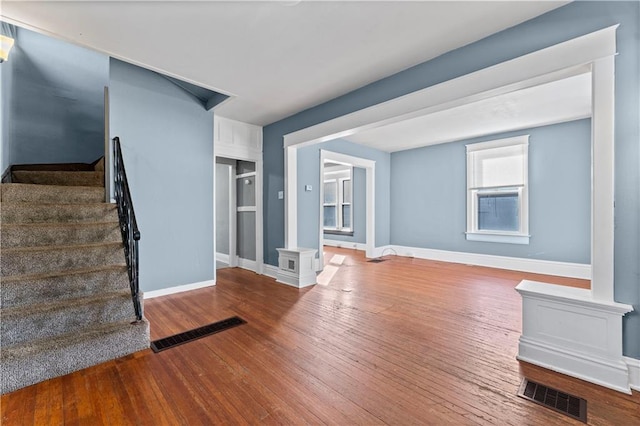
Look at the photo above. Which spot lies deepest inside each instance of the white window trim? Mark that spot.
(339, 182)
(342, 203)
(473, 233)
(325, 204)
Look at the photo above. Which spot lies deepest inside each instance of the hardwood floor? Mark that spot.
(404, 341)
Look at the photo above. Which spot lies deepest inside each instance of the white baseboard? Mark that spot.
(270, 271)
(547, 267)
(178, 289)
(607, 373)
(634, 372)
(221, 257)
(251, 265)
(345, 244)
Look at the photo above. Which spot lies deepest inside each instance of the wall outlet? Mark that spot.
(308, 188)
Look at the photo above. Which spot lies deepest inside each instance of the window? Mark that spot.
(497, 191)
(337, 200)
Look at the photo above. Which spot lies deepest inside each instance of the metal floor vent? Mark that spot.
(377, 260)
(196, 333)
(564, 403)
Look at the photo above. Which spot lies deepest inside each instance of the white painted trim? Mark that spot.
(270, 271)
(536, 266)
(529, 70)
(634, 372)
(108, 151)
(242, 142)
(246, 209)
(602, 177)
(613, 375)
(564, 329)
(497, 238)
(178, 289)
(250, 265)
(291, 197)
(370, 172)
(222, 257)
(345, 244)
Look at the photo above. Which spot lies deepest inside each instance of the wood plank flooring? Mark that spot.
(404, 342)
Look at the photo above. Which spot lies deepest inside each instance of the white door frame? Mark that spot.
(258, 267)
(370, 169)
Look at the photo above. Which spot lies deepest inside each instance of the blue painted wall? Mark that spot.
(572, 20)
(167, 141)
(359, 210)
(428, 196)
(54, 98)
(309, 201)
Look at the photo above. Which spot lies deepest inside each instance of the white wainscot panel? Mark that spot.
(564, 329)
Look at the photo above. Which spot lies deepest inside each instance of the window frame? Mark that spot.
(340, 203)
(473, 233)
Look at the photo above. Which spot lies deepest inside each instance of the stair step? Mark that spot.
(58, 213)
(36, 361)
(66, 178)
(44, 288)
(41, 260)
(47, 234)
(48, 320)
(54, 194)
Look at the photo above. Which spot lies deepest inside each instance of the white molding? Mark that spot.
(345, 244)
(241, 141)
(497, 238)
(613, 375)
(536, 266)
(250, 265)
(370, 203)
(291, 197)
(270, 271)
(603, 176)
(235, 139)
(178, 289)
(564, 329)
(222, 257)
(545, 65)
(634, 372)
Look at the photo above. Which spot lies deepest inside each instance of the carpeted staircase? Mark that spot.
(65, 299)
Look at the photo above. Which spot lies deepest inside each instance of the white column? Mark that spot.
(602, 178)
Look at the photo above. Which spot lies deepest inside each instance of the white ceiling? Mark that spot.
(556, 102)
(275, 58)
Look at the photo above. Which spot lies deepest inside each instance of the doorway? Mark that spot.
(236, 208)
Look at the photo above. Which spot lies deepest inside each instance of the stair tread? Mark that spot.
(58, 224)
(63, 205)
(59, 178)
(97, 331)
(52, 187)
(59, 247)
(50, 306)
(28, 277)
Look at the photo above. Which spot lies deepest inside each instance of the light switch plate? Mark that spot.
(280, 195)
(307, 188)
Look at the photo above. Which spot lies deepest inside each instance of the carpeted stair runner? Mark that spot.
(65, 301)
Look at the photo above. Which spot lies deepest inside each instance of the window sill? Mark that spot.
(336, 232)
(498, 238)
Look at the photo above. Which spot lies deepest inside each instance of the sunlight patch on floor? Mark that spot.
(325, 277)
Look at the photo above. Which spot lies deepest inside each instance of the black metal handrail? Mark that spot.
(128, 225)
